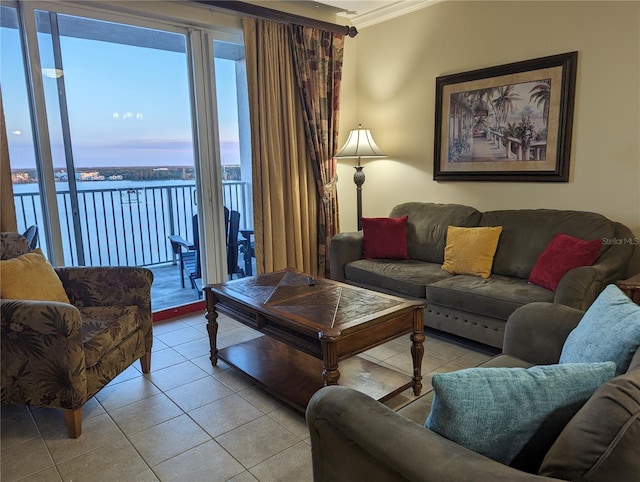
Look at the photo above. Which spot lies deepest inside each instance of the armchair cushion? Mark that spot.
(30, 277)
(601, 441)
(608, 331)
(512, 415)
(104, 328)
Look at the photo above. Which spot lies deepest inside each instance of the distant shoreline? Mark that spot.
(163, 173)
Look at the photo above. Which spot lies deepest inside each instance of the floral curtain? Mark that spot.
(318, 67)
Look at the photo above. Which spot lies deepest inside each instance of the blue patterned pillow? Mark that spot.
(503, 412)
(608, 331)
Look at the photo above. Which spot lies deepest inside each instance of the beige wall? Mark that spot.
(389, 86)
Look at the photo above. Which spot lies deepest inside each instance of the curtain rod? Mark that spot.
(278, 16)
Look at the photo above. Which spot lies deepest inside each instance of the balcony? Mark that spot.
(130, 226)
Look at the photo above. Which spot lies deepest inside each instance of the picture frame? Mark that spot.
(512, 122)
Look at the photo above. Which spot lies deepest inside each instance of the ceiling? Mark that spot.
(363, 13)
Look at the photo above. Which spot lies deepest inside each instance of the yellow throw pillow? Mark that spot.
(30, 277)
(471, 250)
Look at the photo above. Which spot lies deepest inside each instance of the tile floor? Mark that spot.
(188, 420)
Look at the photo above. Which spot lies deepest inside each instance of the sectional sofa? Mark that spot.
(474, 307)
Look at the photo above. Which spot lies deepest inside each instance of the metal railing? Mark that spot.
(128, 226)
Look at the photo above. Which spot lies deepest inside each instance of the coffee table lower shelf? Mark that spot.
(293, 376)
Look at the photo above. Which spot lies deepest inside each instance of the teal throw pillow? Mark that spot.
(512, 415)
(608, 331)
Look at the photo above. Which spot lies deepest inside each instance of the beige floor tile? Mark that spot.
(404, 362)
(18, 428)
(291, 465)
(198, 393)
(165, 358)
(175, 375)
(292, 420)
(132, 371)
(139, 416)
(443, 349)
(23, 459)
(204, 362)
(472, 359)
(224, 415)
(167, 326)
(225, 324)
(144, 476)
(49, 419)
(52, 419)
(131, 391)
(47, 475)
(234, 379)
(8, 411)
(168, 439)
(208, 462)
(235, 336)
(177, 337)
(261, 399)
(96, 432)
(257, 441)
(244, 477)
(194, 349)
(195, 318)
(387, 350)
(113, 462)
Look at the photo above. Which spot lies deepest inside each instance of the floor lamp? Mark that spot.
(360, 144)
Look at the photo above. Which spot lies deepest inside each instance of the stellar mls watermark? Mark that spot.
(617, 241)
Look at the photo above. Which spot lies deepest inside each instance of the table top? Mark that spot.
(323, 306)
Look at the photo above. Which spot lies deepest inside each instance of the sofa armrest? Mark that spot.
(354, 437)
(345, 247)
(536, 332)
(42, 353)
(107, 286)
(581, 286)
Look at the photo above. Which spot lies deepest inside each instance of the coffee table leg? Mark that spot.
(212, 325)
(330, 371)
(417, 351)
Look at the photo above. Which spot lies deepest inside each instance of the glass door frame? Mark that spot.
(204, 121)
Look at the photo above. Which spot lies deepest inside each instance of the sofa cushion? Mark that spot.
(526, 233)
(30, 277)
(562, 254)
(608, 331)
(385, 238)
(601, 441)
(406, 277)
(427, 227)
(505, 413)
(104, 328)
(470, 250)
(495, 297)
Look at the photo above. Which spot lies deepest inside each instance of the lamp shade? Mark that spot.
(360, 144)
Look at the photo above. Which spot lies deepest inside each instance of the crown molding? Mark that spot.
(388, 12)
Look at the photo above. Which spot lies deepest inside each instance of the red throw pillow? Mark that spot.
(562, 254)
(385, 238)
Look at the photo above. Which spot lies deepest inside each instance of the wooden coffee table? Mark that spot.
(310, 326)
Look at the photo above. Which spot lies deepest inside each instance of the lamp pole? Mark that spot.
(358, 179)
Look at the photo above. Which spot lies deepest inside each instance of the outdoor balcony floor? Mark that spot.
(166, 290)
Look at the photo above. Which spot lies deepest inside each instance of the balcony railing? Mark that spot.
(128, 226)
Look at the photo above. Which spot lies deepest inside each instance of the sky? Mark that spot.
(127, 105)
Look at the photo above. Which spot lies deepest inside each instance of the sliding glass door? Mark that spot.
(122, 148)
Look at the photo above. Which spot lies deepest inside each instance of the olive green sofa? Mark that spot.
(470, 306)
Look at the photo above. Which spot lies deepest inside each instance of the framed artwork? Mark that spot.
(507, 123)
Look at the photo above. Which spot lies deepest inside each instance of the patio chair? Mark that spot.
(66, 332)
(189, 253)
(189, 256)
(31, 234)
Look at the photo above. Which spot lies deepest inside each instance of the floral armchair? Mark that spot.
(59, 355)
